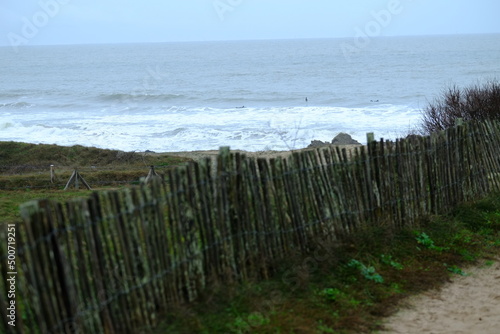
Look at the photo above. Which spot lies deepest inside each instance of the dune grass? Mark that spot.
(25, 171)
(19, 157)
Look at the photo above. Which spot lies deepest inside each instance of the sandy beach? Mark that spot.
(468, 305)
(199, 155)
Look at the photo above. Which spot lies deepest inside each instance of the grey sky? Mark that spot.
(115, 21)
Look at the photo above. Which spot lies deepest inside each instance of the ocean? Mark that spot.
(249, 95)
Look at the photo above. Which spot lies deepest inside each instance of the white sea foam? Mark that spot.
(185, 129)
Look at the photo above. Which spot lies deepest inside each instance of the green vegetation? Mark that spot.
(10, 200)
(350, 288)
(368, 273)
(41, 155)
(25, 171)
(424, 240)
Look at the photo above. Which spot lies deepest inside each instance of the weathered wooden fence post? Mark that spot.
(370, 136)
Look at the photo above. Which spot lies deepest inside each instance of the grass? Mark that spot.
(25, 171)
(10, 200)
(351, 288)
(17, 155)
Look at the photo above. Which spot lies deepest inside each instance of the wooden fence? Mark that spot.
(114, 262)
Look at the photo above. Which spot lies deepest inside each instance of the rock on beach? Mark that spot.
(340, 139)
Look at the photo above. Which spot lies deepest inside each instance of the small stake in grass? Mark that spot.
(74, 179)
(52, 174)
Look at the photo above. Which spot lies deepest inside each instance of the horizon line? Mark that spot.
(251, 39)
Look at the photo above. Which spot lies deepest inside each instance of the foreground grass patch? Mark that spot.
(349, 288)
(10, 200)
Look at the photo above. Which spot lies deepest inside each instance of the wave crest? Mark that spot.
(138, 97)
(16, 105)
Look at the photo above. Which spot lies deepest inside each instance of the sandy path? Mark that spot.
(467, 305)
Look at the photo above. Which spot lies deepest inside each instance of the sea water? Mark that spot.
(250, 95)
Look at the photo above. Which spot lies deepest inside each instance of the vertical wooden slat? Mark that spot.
(123, 274)
(178, 253)
(41, 278)
(223, 209)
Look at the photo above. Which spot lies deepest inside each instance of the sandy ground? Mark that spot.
(199, 155)
(467, 305)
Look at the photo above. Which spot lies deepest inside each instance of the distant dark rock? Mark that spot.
(317, 143)
(340, 139)
(148, 151)
(344, 139)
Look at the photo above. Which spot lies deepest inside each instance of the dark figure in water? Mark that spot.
(307, 99)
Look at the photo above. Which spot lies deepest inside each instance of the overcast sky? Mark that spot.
(34, 22)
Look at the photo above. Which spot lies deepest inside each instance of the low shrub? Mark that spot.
(474, 103)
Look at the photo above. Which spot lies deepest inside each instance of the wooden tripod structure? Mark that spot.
(152, 175)
(75, 179)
